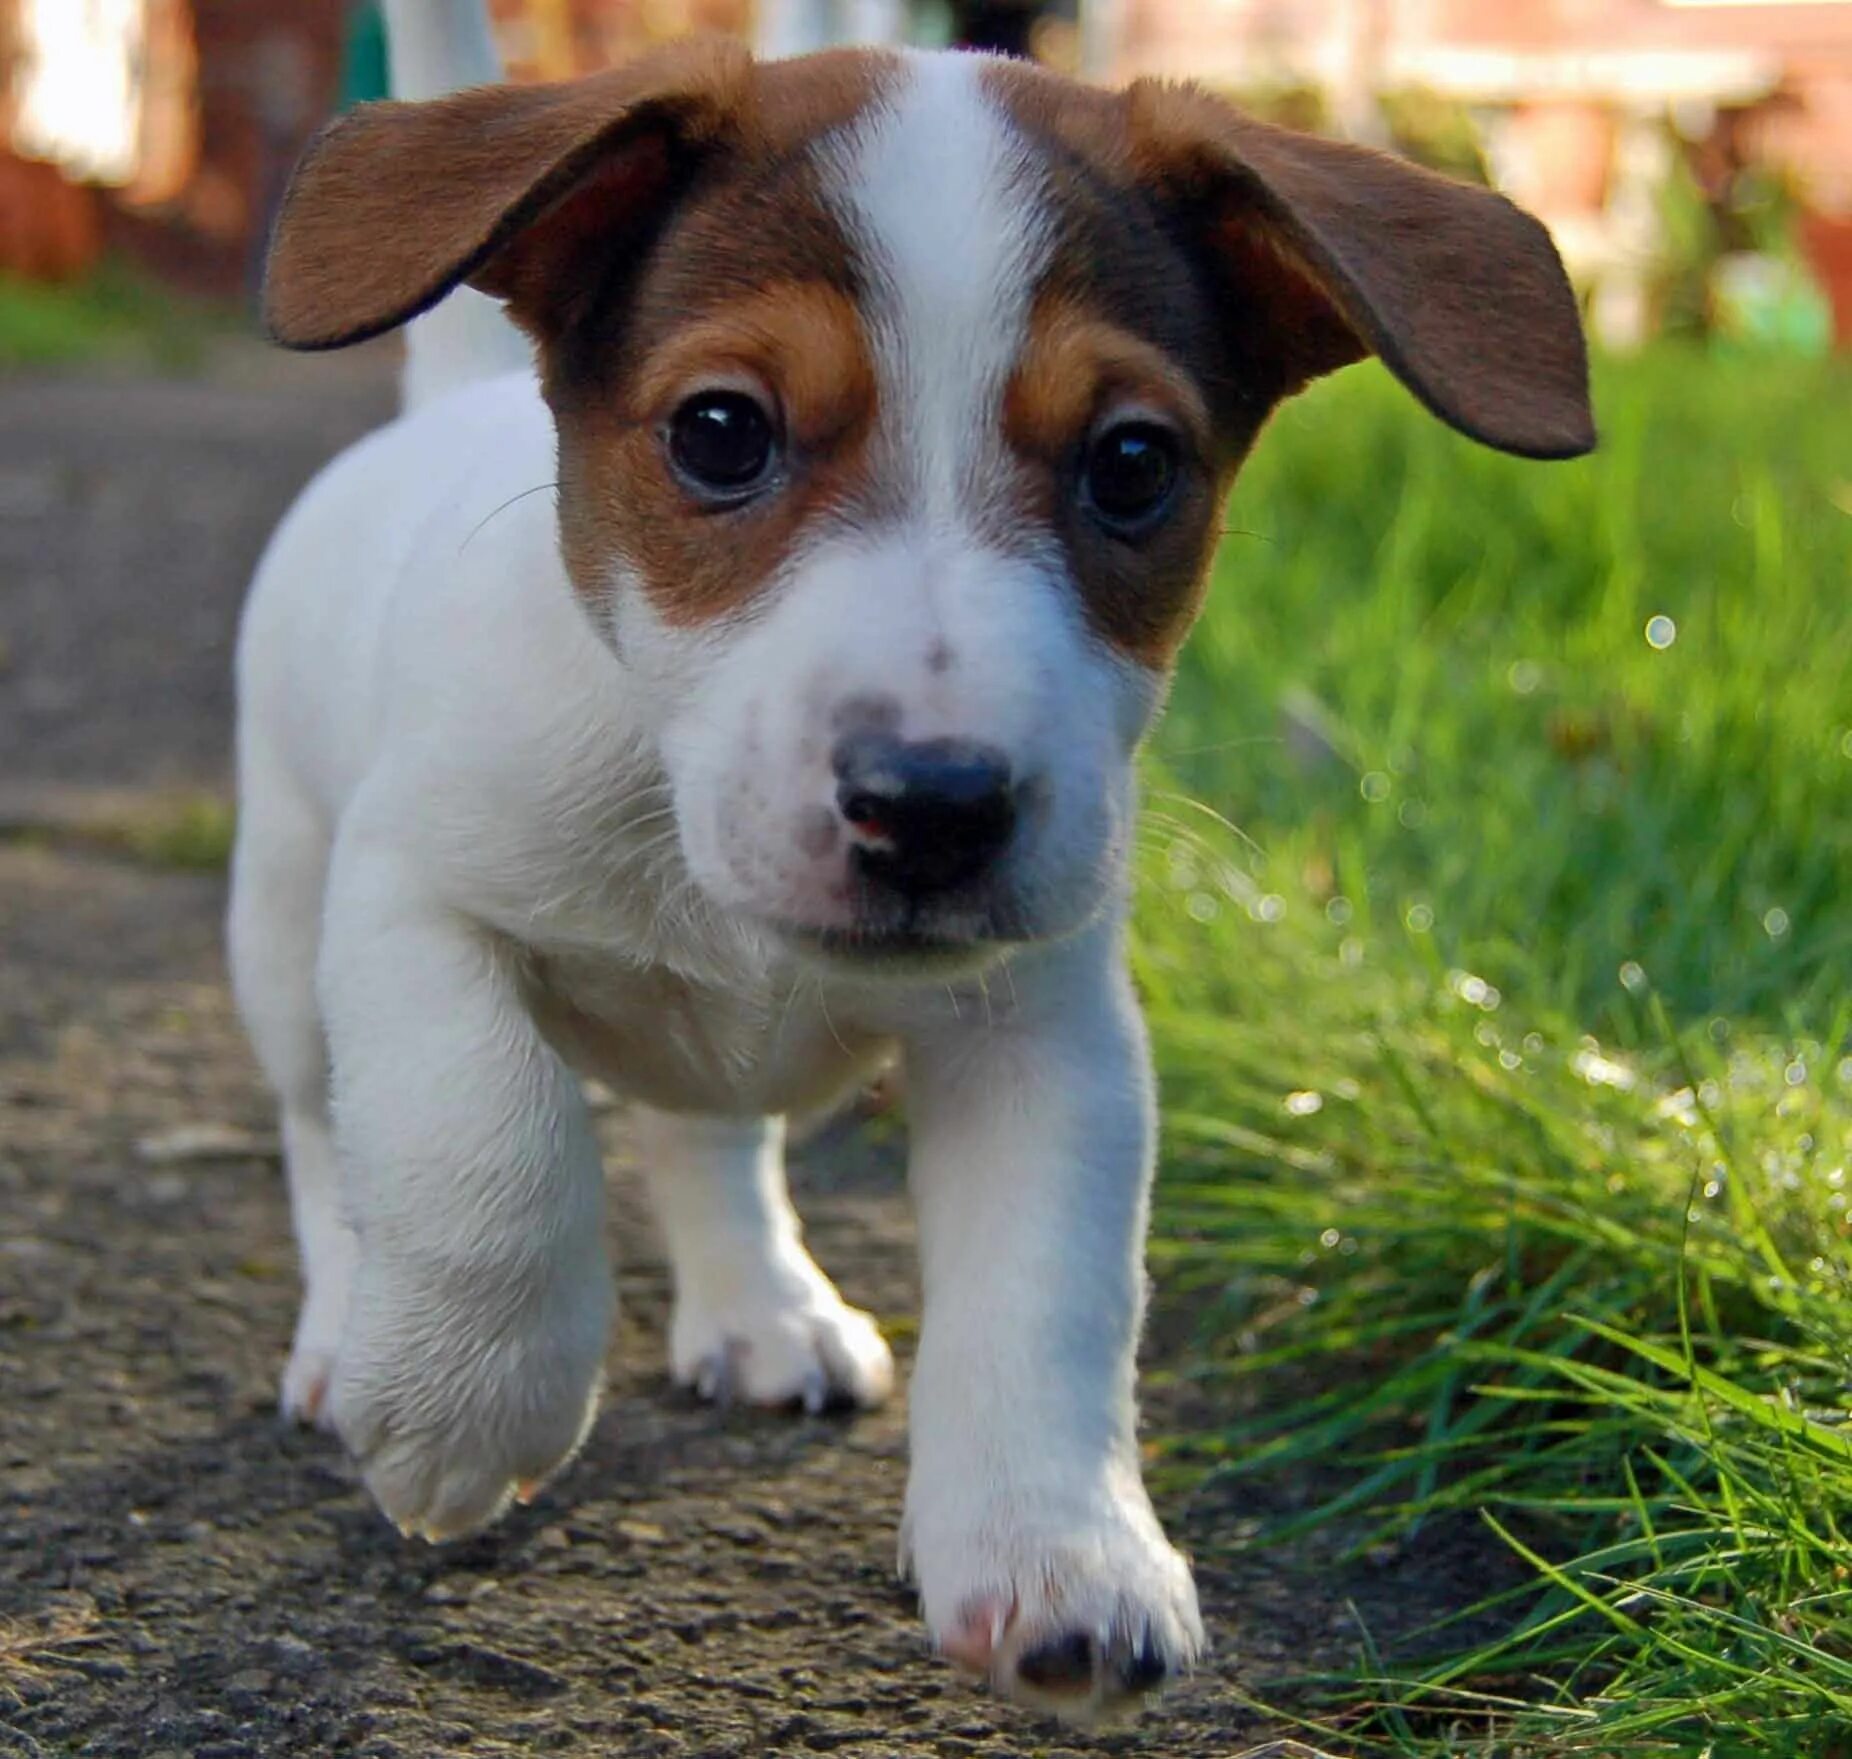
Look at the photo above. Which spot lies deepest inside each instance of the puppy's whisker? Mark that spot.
(1208, 812)
(495, 512)
(1227, 745)
(823, 1003)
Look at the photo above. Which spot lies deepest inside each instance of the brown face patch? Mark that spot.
(803, 339)
(1079, 374)
(1122, 326)
(799, 348)
(748, 282)
(1075, 365)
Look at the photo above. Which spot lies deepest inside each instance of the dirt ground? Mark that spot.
(179, 1574)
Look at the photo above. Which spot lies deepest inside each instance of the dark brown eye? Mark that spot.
(1129, 474)
(722, 444)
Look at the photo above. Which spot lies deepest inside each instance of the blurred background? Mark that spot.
(1693, 158)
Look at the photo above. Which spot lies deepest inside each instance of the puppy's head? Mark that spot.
(897, 399)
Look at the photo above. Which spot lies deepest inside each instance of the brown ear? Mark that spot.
(1335, 252)
(394, 204)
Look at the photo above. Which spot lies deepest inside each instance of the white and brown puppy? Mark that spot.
(748, 692)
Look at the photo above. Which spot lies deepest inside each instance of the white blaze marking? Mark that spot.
(945, 201)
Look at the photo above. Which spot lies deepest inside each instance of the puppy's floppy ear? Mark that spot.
(394, 204)
(1328, 252)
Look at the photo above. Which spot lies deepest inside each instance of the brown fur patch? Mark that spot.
(1074, 364)
(802, 345)
(1078, 370)
(395, 203)
(1123, 317)
(803, 339)
(1317, 252)
(523, 189)
(750, 273)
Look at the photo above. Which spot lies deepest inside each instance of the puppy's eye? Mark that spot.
(722, 443)
(1129, 473)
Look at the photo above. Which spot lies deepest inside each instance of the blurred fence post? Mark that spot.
(795, 27)
(1101, 24)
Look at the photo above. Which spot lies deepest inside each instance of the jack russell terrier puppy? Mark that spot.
(727, 676)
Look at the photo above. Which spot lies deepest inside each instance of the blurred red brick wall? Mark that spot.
(268, 74)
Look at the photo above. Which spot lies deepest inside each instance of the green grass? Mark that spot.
(1508, 1068)
(115, 315)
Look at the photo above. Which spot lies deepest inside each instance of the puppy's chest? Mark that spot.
(669, 1041)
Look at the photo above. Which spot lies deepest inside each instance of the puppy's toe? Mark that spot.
(1081, 1624)
(975, 1636)
(428, 1497)
(444, 1481)
(304, 1395)
(1106, 1673)
(857, 1363)
(1099, 1670)
(806, 1350)
(309, 1374)
(453, 1412)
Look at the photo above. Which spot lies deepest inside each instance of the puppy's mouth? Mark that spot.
(916, 941)
(894, 952)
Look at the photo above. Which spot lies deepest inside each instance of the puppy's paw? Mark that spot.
(309, 1373)
(455, 1405)
(1082, 1620)
(303, 1397)
(779, 1336)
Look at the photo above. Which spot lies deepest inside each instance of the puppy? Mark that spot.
(743, 690)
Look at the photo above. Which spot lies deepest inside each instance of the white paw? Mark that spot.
(309, 1372)
(780, 1335)
(459, 1396)
(1081, 1618)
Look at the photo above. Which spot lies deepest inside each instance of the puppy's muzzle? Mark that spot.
(926, 816)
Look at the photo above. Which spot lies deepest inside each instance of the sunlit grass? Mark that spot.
(1508, 1069)
(114, 315)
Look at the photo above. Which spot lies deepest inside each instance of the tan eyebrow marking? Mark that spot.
(804, 340)
(1074, 364)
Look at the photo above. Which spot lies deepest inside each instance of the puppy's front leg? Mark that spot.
(755, 1317)
(470, 1362)
(1038, 1557)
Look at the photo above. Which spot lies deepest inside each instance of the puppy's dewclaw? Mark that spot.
(887, 405)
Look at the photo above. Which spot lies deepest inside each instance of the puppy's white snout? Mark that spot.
(924, 816)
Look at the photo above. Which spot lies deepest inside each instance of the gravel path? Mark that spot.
(179, 1575)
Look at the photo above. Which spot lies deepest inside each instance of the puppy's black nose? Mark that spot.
(930, 814)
